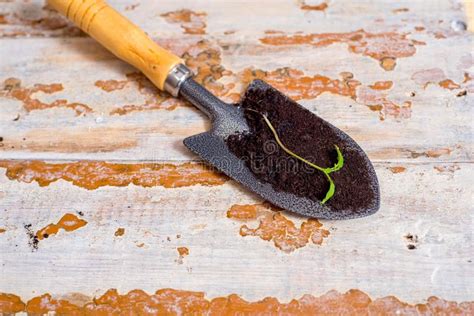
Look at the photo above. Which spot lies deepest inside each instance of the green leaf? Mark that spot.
(337, 166)
(331, 191)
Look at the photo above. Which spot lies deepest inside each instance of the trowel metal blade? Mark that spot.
(212, 148)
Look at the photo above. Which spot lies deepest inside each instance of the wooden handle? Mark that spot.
(120, 36)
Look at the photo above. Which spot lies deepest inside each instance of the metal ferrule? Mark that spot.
(175, 79)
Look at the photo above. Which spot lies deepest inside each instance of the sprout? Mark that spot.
(338, 165)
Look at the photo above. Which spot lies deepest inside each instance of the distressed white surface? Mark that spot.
(369, 254)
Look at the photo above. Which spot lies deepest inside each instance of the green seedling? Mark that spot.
(338, 165)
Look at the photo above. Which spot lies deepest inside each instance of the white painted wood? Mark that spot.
(369, 254)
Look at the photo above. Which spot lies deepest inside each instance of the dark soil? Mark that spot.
(311, 138)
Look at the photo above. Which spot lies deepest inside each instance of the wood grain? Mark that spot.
(417, 131)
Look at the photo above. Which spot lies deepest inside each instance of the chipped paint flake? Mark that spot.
(381, 85)
(69, 222)
(94, 174)
(191, 22)
(11, 304)
(183, 252)
(384, 47)
(178, 302)
(310, 5)
(432, 153)
(203, 57)
(297, 85)
(12, 89)
(398, 169)
(119, 232)
(447, 168)
(274, 226)
(377, 100)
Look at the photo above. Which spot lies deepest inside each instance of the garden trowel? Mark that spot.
(169, 73)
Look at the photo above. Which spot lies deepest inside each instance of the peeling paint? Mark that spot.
(437, 76)
(203, 57)
(428, 76)
(297, 85)
(46, 22)
(178, 302)
(94, 174)
(447, 168)
(191, 22)
(69, 222)
(111, 85)
(154, 98)
(397, 169)
(12, 89)
(274, 226)
(320, 6)
(183, 252)
(449, 84)
(119, 232)
(377, 101)
(381, 85)
(433, 153)
(384, 47)
(11, 304)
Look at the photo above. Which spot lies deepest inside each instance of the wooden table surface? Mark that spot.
(83, 135)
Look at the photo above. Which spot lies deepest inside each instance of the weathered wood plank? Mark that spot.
(368, 253)
(394, 75)
(99, 133)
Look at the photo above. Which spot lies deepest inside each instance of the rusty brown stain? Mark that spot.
(381, 85)
(119, 232)
(69, 222)
(94, 174)
(12, 89)
(3, 19)
(191, 22)
(449, 84)
(384, 47)
(111, 85)
(2, 230)
(313, 7)
(274, 226)
(419, 28)
(432, 153)
(297, 85)
(397, 169)
(179, 302)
